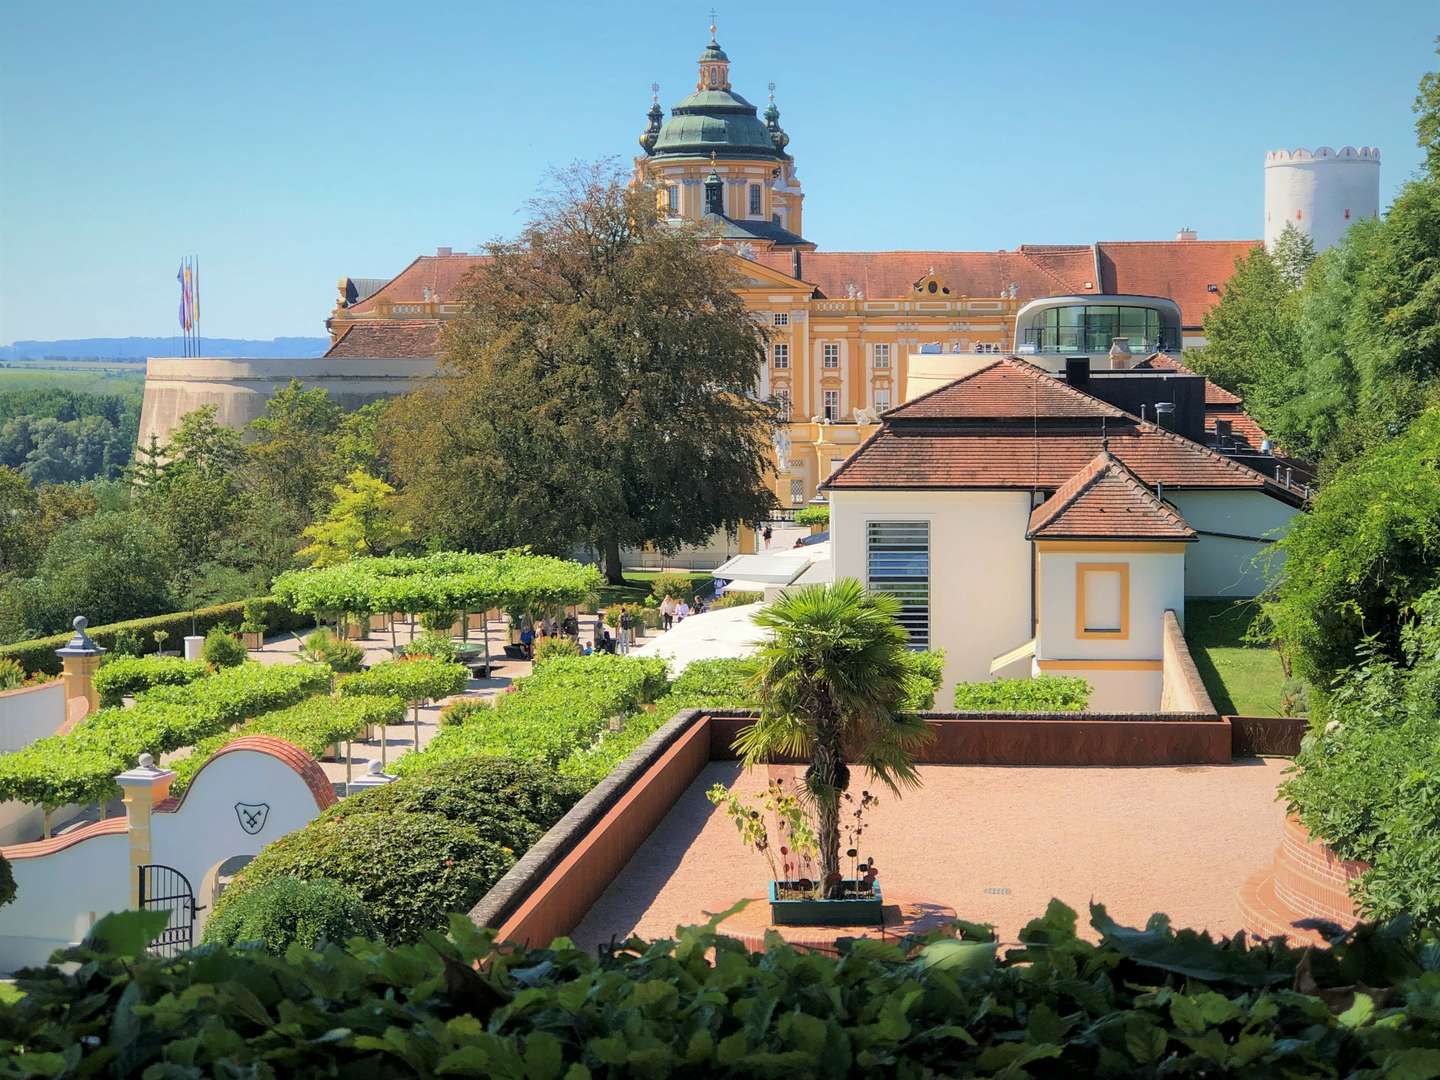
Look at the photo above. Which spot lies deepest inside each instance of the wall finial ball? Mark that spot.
(80, 622)
(1322, 191)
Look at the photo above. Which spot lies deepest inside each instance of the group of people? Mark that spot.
(673, 610)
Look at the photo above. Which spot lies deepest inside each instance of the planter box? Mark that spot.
(863, 911)
(379, 622)
(254, 640)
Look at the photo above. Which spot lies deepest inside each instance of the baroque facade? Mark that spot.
(845, 326)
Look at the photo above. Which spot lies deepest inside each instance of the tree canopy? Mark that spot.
(600, 388)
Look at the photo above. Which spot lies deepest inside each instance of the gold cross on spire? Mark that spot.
(712, 24)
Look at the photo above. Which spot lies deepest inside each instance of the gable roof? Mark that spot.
(1008, 389)
(1183, 270)
(1105, 501)
(443, 275)
(388, 339)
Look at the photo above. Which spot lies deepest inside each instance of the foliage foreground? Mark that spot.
(1140, 1003)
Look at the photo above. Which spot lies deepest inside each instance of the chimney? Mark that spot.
(443, 251)
(795, 265)
(1077, 371)
(1185, 233)
(1165, 415)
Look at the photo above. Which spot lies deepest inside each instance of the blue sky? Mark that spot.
(288, 144)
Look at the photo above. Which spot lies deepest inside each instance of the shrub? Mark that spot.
(253, 621)
(1044, 693)
(222, 649)
(39, 653)
(339, 655)
(412, 681)
(510, 803)
(555, 646)
(410, 870)
(559, 708)
(288, 910)
(434, 644)
(1131, 1003)
(120, 677)
(439, 622)
(12, 674)
(127, 642)
(927, 670)
(7, 882)
(465, 710)
(732, 678)
(736, 599)
(813, 515)
(676, 586)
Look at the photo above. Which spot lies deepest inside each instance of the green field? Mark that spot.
(112, 377)
(1243, 680)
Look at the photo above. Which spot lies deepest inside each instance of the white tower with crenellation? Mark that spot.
(1321, 192)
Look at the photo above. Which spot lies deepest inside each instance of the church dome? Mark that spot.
(718, 121)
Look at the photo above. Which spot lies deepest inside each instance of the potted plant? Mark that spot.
(832, 679)
(252, 626)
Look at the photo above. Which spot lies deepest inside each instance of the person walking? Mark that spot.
(768, 535)
(626, 621)
(682, 611)
(667, 612)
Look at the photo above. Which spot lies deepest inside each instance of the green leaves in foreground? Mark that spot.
(1141, 1002)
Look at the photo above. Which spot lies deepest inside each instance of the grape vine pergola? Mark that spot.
(446, 581)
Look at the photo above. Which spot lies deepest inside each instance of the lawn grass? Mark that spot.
(637, 586)
(1242, 679)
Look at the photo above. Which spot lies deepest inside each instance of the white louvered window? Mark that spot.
(897, 561)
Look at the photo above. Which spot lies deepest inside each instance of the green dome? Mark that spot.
(715, 121)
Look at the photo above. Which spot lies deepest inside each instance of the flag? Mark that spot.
(180, 278)
(189, 289)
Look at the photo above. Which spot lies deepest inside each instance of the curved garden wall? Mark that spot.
(1306, 881)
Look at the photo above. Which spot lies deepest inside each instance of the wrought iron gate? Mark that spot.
(163, 888)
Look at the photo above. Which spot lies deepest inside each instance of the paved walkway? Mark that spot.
(993, 843)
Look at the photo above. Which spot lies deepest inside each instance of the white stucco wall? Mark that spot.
(59, 896)
(1219, 566)
(979, 567)
(30, 713)
(1117, 691)
(1157, 582)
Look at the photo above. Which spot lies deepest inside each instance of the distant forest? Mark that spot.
(138, 348)
(60, 436)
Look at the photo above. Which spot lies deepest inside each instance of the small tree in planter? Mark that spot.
(832, 679)
(252, 627)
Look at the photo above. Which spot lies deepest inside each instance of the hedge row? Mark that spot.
(80, 767)
(313, 725)
(1042, 694)
(120, 677)
(410, 680)
(561, 707)
(38, 654)
(1138, 1003)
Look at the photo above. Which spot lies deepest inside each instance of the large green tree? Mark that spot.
(601, 387)
(291, 452)
(1427, 118)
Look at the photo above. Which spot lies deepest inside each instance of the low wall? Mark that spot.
(1272, 736)
(557, 881)
(548, 892)
(1306, 881)
(1047, 739)
(1181, 689)
(30, 713)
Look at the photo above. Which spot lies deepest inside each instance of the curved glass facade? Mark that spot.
(1091, 328)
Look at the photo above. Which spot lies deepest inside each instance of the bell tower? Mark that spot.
(714, 64)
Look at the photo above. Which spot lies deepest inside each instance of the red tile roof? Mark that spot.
(289, 754)
(443, 275)
(35, 849)
(1035, 272)
(389, 338)
(1008, 389)
(1104, 501)
(1183, 270)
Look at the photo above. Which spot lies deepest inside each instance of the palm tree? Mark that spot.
(831, 679)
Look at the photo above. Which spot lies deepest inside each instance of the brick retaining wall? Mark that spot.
(1306, 881)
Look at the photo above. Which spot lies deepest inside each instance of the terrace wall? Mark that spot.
(1181, 689)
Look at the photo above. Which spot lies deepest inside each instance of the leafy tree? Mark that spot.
(832, 678)
(147, 466)
(1427, 118)
(1251, 336)
(292, 449)
(19, 508)
(362, 522)
(1355, 565)
(600, 387)
(1293, 254)
(358, 444)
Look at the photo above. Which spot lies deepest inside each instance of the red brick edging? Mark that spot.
(1306, 881)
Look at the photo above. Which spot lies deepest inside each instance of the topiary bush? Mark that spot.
(340, 656)
(409, 869)
(1042, 694)
(120, 677)
(222, 649)
(287, 910)
(510, 803)
(411, 680)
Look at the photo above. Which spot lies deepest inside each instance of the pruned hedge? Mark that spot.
(1149, 1002)
(411, 680)
(80, 767)
(124, 676)
(1042, 694)
(38, 654)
